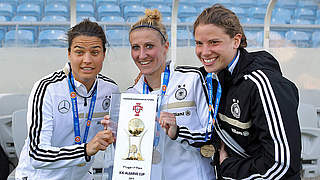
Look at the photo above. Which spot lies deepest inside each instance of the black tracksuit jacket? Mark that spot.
(258, 109)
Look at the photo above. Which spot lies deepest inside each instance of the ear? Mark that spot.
(166, 46)
(69, 55)
(237, 40)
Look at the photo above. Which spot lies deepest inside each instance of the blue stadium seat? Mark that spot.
(123, 3)
(185, 11)
(302, 21)
(262, 3)
(313, 4)
(29, 9)
(118, 37)
(316, 39)
(164, 9)
(199, 4)
(104, 2)
(254, 38)
(299, 39)
(258, 12)
(3, 19)
(108, 10)
(226, 3)
(85, 1)
(277, 39)
(13, 3)
(52, 38)
(38, 2)
(240, 12)
(81, 18)
(85, 9)
(133, 11)
(6, 10)
(24, 38)
(287, 3)
(190, 19)
(184, 37)
(132, 19)
(167, 19)
(1, 36)
(283, 13)
(53, 19)
(305, 13)
(246, 3)
(57, 9)
(112, 19)
(150, 3)
(64, 2)
(278, 20)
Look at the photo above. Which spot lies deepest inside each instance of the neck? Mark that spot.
(154, 79)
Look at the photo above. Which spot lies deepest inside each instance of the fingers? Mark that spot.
(100, 142)
(106, 122)
(167, 119)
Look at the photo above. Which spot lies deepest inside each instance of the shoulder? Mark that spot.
(106, 79)
(52, 78)
(190, 70)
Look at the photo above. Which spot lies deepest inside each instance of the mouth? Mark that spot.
(144, 62)
(87, 68)
(209, 61)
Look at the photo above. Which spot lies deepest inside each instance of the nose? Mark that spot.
(143, 53)
(206, 51)
(87, 58)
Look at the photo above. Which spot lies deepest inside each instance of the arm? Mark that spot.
(40, 121)
(273, 109)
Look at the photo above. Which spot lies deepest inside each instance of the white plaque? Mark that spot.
(133, 153)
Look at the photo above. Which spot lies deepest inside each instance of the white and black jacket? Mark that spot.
(49, 151)
(184, 98)
(258, 109)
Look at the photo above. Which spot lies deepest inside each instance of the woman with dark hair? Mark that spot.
(64, 111)
(255, 112)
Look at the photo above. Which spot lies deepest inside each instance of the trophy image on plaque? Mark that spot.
(136, 131)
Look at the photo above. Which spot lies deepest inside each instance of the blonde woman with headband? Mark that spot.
(181, 130)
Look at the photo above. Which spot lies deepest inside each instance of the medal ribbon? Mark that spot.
(164, 86)
(74, 103)
(209, 77)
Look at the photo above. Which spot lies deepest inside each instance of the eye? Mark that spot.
(213, 42)
(78, 52)
(135, 47)
(95, 53)
(198, 43)
(149, 46)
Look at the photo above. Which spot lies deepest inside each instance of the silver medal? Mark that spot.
(156, 156)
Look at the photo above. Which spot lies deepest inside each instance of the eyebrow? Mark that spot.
(93, 47)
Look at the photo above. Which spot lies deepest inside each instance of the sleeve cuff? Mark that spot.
(86, 157)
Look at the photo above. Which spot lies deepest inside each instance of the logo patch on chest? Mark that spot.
(235, 109)
(181, 92)
(64, 106)
(106, 103)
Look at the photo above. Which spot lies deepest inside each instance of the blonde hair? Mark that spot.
(152, 19)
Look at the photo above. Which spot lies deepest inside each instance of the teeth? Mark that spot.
(209, 60)
(87, 69)
(144, 63)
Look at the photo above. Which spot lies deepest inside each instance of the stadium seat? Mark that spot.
(285, 14)
(313, 4)
(164, 9)
(278, 20)
(151, 3)
(85, 9)
(38, 2)
(118, 37)
(108, 10)
(64, 2)
(257, 12)
(9, 103)
(13, 3)
(305, 13)
(240, 12)
(132, 19)
(277, 39)
(105, 2)
(246, 3)
(57, 9)
(52, 38)
(299, 39)
(29, 9)
(190, 19)
(24, 38)
(85, 1)
(34, 29)
(19, 129)
(254, 38)
(6, 10)
(316, 39)
(53, 19)
(262, 3)
(1, 36)
(133, 11)
(81, 18)
(167, 19)
(112, 19)
(226, 3)
(123, 3)
(249, 20)
(302, 21)
(287, 4)
(184, 37)
(199, 4)
(185, 11)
